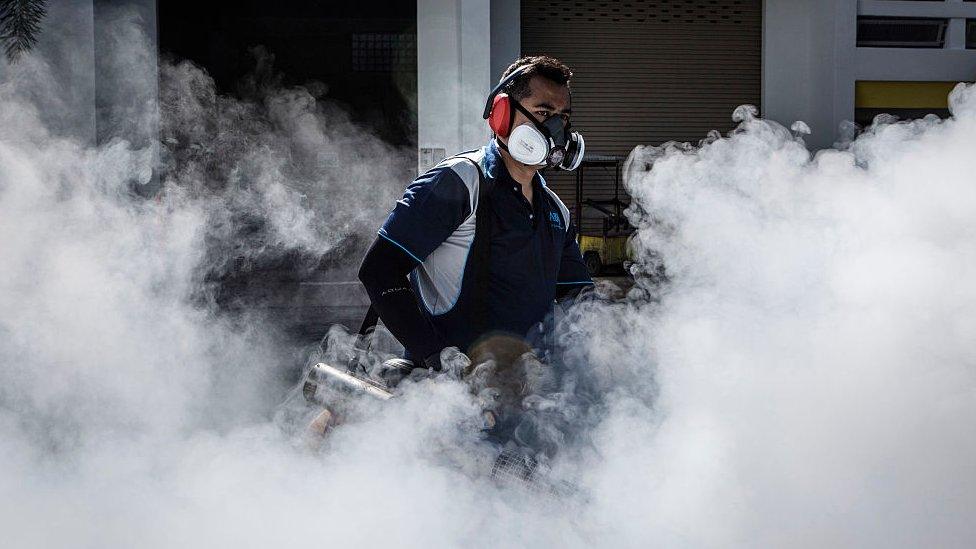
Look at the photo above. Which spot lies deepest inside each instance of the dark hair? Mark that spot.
(547, 67)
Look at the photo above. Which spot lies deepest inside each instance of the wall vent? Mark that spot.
(900, 32)
(682, 12)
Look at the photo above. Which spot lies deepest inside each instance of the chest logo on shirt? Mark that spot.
(555, 220)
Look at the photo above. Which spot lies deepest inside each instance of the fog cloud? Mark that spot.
(802, 376)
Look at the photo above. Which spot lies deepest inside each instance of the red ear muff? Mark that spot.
(500, 119)
(498, 107)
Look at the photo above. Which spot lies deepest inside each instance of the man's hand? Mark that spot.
(449, 360)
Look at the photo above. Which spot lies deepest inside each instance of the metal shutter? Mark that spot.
(646, 72)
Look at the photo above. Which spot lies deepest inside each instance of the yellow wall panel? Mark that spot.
(870, 94)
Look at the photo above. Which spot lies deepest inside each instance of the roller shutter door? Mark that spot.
(646, 72)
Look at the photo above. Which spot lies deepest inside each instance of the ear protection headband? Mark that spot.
(498, 109)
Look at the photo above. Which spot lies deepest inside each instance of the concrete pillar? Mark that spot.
(956, 33)
(462, 45)
(103, 78)
(127, 80)
(65, 94)
(799, 65)
(506, 34)
(844, 53)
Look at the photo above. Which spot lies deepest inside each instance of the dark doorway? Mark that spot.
(364, 56)
(365, 51)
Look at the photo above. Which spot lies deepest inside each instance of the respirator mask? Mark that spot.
(549, 143)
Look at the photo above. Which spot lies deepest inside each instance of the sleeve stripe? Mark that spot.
(398, 245)
(577, 282)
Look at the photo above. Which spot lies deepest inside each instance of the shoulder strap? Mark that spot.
(481, 252)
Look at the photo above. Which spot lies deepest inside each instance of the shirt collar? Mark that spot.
(493, 161)
(496, 168)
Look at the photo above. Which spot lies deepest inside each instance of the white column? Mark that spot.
(126, 71)
(127, 81)
(805, 76)
(457, 44)
(956, 33)
(66, 43)
(506, 34)
(475, 72)
(845, 56)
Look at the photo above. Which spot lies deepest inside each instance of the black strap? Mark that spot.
(480, 252)
(369, 322)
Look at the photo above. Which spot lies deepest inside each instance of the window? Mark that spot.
(384, 52)
(900, 32)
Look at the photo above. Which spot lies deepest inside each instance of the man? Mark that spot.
(486, 245)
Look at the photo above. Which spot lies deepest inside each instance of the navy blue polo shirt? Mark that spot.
(532, 246)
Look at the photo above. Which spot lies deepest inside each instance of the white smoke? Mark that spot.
(813, 347)
(803, 376)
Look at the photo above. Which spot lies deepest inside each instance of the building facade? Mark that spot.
(831, 61)
(678, 68)
(647, 71)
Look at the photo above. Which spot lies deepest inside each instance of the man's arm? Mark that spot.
(432, 208)
(384, 274)
(573, 275)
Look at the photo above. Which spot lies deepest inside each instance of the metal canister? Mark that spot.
(324, 376)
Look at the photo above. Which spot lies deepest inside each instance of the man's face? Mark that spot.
(545, 99)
